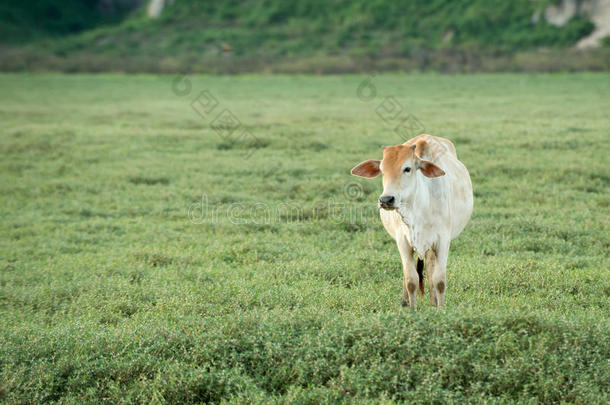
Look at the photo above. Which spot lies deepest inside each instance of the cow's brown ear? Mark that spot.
(429, 169)
(368, 169)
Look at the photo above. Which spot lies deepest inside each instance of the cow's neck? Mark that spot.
(417, 216)
(418, 202)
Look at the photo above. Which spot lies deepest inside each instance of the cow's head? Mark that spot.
(399, 168)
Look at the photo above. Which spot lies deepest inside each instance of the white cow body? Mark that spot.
(441, 206)
(427, 202)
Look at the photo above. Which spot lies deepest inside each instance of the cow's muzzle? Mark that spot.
(387, 202)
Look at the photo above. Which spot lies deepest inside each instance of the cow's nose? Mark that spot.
(386, 200)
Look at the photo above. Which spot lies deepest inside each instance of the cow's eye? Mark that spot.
(407, 169)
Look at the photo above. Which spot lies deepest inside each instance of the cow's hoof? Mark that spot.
(404, 303)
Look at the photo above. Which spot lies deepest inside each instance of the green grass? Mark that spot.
(116, 287)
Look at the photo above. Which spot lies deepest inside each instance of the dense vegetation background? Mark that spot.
(304, 36)
(22, 21)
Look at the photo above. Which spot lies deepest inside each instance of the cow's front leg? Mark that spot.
(410, 277)
(430, 266)
(439, 277)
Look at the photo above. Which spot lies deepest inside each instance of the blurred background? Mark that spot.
(305, 36)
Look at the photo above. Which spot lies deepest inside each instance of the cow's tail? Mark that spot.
(420, 273)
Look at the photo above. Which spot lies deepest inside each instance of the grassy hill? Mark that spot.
(315, 35)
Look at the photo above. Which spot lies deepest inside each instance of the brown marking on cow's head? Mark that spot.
(394, 157)
(398, 166)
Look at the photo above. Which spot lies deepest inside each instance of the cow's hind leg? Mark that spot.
(439, 277)
(410, 277)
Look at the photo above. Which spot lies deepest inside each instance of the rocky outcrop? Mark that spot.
(559, 14)
(599, 14)
(155, 7)
(597, 11)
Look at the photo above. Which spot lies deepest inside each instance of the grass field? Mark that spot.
(148, 256)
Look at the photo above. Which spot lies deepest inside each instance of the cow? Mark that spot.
(426, 203)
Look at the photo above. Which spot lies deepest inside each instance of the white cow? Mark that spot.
(426, 202)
